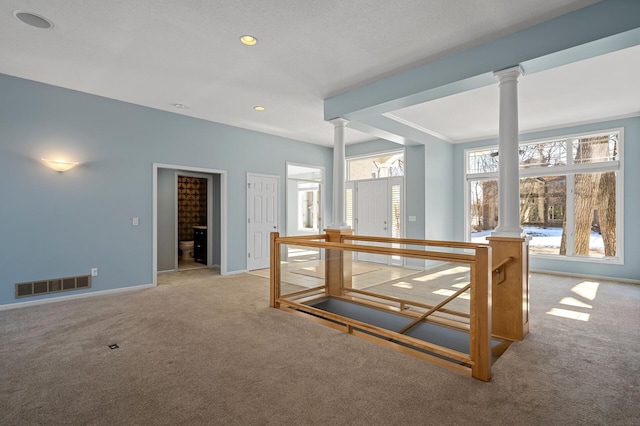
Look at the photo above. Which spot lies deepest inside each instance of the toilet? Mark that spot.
(187, 250)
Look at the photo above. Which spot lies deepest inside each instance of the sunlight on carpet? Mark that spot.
(318, 271)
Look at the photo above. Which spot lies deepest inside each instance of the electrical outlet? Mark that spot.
(94, 272)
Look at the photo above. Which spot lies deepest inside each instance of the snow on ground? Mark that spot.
(544, 238)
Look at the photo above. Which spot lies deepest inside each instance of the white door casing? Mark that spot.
(262, 218)
(221, 208)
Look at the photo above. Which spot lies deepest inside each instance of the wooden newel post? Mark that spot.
(480, 320)
(274, 268)
(510, 288)
(337, 264)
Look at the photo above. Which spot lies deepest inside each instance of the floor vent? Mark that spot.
(36, 288)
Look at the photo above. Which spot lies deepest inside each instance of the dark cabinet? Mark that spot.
(200, 244)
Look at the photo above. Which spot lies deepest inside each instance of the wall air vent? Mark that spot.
(55, 285)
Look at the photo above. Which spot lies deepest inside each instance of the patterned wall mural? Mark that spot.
(192, 205)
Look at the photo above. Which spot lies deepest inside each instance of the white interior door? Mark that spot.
(373, 214)
(262, 218)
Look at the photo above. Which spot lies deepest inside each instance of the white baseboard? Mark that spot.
(73, 296)
(242, 271)
(597, 277)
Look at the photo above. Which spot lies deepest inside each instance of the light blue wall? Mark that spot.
(631, 268)
(439, 189)
(414, 179)
(57, 225)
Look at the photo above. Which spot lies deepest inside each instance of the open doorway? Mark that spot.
(180, 219)
(192, 196)
(305, 207)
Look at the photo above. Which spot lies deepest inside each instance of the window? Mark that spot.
(570, 203)
(380, 166)
(396, 219)
(349, 207)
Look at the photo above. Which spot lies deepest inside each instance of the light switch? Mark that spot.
(136, 221)
(412, 218)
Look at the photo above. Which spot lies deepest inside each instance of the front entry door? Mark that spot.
(373, 214)
(262, 218)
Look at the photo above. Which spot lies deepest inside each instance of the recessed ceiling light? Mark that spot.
(180, 106)
(259, 108)
(248, 40)
(33, 19)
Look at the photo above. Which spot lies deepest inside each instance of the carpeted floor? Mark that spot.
(206, 349)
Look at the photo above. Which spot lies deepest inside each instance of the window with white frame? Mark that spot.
(378, 166)
(570, 195)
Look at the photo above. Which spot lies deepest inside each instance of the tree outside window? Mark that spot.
(568, 194)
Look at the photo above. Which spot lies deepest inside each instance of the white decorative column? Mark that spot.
(338, 274)
(338, 174)
(509, 246)
(509, 165)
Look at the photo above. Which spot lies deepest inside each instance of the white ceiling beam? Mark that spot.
(606, 26)
(396, 130)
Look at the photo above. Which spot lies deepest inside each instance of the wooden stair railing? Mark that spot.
(479, 357)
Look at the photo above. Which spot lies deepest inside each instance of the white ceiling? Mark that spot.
(590, 90)
(158, 53)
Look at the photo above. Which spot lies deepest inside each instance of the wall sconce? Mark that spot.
(60, 165)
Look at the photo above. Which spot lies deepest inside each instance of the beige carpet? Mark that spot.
(319, 270)
(207, 350)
